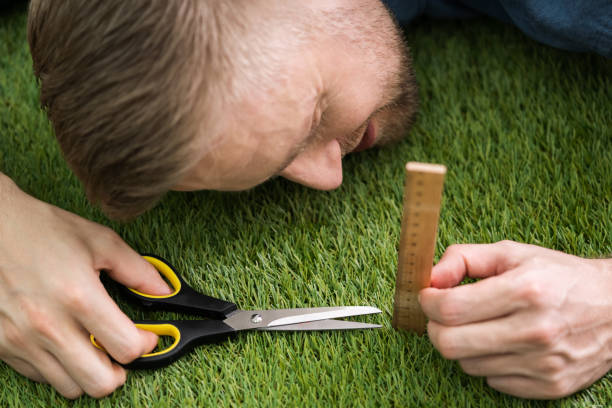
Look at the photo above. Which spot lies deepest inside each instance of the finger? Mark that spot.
(24, 368)
(90, 367)
(111, 327)
(150, 340)
(474, 302)
(499, 336)
(527, 387)
(499, 365)
(56, 376)
(42, 366)
(126, 266)
(476, 261)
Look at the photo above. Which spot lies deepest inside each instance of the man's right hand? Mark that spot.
(52, 297)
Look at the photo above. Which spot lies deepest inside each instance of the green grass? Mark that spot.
(525, 131)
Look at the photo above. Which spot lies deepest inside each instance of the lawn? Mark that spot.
(526, 133)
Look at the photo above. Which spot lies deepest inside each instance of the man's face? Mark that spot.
(348, 89)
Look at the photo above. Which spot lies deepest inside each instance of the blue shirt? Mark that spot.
(574, 25)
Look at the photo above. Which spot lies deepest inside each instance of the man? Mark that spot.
(150, 96)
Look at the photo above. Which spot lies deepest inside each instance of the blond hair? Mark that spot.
(122, 83)
(131, 85)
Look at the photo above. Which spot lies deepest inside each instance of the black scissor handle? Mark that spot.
(187, 334)
(184, 299)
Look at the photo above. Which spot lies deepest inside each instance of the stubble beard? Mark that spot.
(395, 119)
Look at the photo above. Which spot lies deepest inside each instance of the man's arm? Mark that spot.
(539, 325)
(52, 296)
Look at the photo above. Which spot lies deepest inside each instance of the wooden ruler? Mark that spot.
(422, 197)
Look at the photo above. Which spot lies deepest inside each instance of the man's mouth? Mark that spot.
(368, 138)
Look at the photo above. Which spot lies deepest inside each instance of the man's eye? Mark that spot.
(316, 120)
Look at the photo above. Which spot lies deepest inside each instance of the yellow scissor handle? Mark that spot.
(161, 329)
(167, 272)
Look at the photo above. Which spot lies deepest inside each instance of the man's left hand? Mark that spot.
(538, 326)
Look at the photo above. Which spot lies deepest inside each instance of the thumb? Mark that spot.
(476, 261)
(149, 340)
(130, 269)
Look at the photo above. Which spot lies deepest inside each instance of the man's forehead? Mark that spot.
(283, 107)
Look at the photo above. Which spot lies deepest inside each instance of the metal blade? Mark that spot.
(254, 319)
(328, 324)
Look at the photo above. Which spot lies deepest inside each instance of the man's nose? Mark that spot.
(318, 167)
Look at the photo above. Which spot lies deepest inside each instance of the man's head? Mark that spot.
(147, 96)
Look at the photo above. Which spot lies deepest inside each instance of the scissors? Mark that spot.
(225, 319)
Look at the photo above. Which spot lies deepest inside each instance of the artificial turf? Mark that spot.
(526, 133)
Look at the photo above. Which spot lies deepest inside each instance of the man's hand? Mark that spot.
(52, 297)
(538, 326)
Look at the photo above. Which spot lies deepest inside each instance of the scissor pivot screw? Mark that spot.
(256, 318)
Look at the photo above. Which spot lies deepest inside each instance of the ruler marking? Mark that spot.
(421, 208)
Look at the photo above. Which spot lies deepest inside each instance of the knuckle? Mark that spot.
(129, 352)
(538, 262)
(537, 294)
(508, 244)
(532, 293)
(545, 333)
(104, 383)
(103, 387)
(454, 248)
(76, 299)
(552, 366)
(13, 337)
(38, 319)
(41, 324)
(111, 237)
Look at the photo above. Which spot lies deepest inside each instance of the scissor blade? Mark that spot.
(255, 319)
(321, 313)
(328, 324)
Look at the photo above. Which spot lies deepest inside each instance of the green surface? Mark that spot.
(525, 132)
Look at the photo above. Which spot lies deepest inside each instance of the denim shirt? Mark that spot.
(574, 25)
